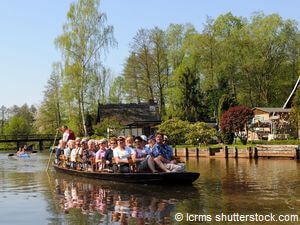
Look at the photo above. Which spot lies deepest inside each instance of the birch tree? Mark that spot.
(85, 39)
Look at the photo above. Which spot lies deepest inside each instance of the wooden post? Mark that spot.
(186, 152)
(236, 153)
(211, 152)
(226, 151)
(197, 152)
(255, 153)
(175, 151)
(297, 156)
(250, 152)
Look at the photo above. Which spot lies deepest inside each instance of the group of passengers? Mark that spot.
(119, 154)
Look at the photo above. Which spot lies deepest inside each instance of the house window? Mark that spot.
(152, 108)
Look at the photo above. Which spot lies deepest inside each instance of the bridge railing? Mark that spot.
(27, 137)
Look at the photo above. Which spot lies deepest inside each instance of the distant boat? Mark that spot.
(177, 178)
(23, 155)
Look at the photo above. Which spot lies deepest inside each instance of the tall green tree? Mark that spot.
(116, 92)
(176, 35)
(17, 125)
(141, 48)
(85, 38)
(50, 114)
(132, 84)
(160, 67)
(266, 46)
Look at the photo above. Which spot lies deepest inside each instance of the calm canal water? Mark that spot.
(29, 195)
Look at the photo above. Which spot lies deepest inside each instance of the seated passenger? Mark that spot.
(122, 155)
(21, 150)
(129, 142)
(75, 159)
(144, 162)
(84, 153)
(109, 153)
(91, 153)
(67, 151)
(151, 143)
(163, 156)
(59, 152)
(99, 158)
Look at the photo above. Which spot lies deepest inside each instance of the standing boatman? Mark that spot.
(68, 134)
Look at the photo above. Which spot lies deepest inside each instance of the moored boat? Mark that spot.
(178, 178)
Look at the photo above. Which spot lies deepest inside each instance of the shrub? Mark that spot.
(227, 138)
(175, 129)
(235, 121)
(200, 133)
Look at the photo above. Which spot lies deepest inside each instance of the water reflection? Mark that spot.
(225, 186)
(120, 203)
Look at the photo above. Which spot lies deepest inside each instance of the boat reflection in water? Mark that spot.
(120, 203)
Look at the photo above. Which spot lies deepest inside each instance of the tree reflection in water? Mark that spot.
(118, 203)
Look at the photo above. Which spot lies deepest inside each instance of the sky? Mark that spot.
(29, 28)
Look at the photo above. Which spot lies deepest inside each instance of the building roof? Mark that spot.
(272, 110)
(130, 114)
(288, 103)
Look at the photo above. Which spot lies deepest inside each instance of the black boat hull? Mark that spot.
(182, 178)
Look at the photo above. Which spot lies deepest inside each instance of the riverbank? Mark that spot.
(250, 151)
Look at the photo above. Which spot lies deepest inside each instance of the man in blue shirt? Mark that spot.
(163, 156)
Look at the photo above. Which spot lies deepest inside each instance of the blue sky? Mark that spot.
(28, 29)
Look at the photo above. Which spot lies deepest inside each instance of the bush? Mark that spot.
(175, 129)
(227, 138)
(200, 133)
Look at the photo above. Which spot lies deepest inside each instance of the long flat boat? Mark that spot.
(178, 178)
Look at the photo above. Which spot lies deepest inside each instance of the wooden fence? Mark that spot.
(267, 151)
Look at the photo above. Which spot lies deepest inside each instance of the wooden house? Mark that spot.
(137, 119)
(273, 123)
(267, 123)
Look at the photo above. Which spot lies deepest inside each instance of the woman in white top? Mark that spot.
(122, 155)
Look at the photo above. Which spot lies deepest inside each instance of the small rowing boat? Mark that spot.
(23, 155)
(178, 178)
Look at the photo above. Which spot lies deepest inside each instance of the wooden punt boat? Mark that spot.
(180, 178)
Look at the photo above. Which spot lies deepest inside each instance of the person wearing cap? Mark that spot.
(163, 156)
(145, 140)
(165, 139)
(145, 144)
(151, 143)
(123, 155)
(99, 158)
(144, 161)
